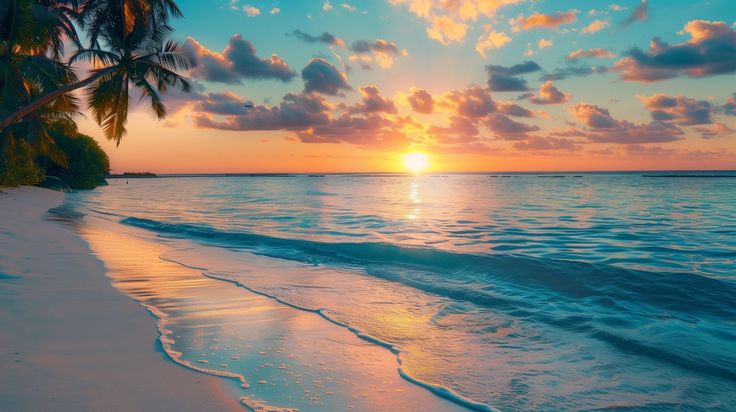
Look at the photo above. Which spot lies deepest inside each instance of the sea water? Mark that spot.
(508, 292)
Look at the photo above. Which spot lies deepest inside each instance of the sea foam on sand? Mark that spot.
(68, 340)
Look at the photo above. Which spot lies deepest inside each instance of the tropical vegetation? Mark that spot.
(56, 53)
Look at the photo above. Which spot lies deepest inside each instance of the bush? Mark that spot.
(87, 162)
(17, 163)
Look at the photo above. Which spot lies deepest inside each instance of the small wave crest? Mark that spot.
(605, 302)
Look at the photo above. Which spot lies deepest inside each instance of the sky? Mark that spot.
(476, 85)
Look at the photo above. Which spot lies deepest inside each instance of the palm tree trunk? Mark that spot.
(46, 98)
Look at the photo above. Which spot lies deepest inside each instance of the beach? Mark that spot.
(369, 293)
(69, 340)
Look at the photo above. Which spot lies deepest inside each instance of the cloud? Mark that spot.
(546, 143)
(474, 102)
(461, 130)
(251, 11)
(348, 7)
(505, 79)
(326, 38)
(380, 51)
(448, 20)
(225, 103)
(596, 52)
(710, 51)
(641, 13)
(513, 109)
(295, 112)
(603, 128)
(421, 101)
(549, 94)
(371, 123)
(491, 40)
(681, 110)
(274, 11)
(320, 76)
(573, 71)
(506, 128)
(372, 102)
(327, 6)
(729, 107)
(716, 130)
(543, 21)
(596, 26)
(544, 43)
(236, 62)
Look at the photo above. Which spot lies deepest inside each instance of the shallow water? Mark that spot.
(520, 292)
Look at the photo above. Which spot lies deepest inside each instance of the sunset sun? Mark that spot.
(416, 162)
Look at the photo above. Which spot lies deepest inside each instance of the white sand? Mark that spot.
(68, 339)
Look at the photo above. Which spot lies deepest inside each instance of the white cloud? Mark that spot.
(251, 11)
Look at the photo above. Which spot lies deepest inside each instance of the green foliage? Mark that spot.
(87, 163)
(17, 165)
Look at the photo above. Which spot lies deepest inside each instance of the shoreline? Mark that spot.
(71, 340)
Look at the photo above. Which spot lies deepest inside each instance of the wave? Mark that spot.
(438, 390)
(607, 303)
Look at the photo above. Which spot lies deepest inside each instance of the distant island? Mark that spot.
(132, 175)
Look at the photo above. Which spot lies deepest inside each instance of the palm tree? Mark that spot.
(127, 48)
(31, 41)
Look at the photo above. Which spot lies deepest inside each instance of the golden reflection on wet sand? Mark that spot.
(283, 356)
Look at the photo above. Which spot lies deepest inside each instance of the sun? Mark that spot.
(416, 162)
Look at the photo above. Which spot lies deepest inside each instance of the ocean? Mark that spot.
(503, 292)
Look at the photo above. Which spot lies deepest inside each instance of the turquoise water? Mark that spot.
(564, 292)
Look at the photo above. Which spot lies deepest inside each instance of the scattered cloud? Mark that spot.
(372, 102)
(491, 40)
(596, 52)
(513, 109)
(446, 30)
(681, 110)
(543, 21)
(573, 71)
(326, 38)
(448, 20)
(474, 102)
(547, 143)
(729, 107)
(236, 62)
(544, 43)
(641, 13)
(710, 51)
(505, 79)
(506, 128)
(322, 77)
(421, 101)
(549, 94)
(251, 11)
(295, 112)
(379, 51)
(714, 131)
(596, 26)
(603, 128)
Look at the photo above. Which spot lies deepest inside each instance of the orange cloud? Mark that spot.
(544, 21)
(597, 52)
(596, 26)
(491, 40)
